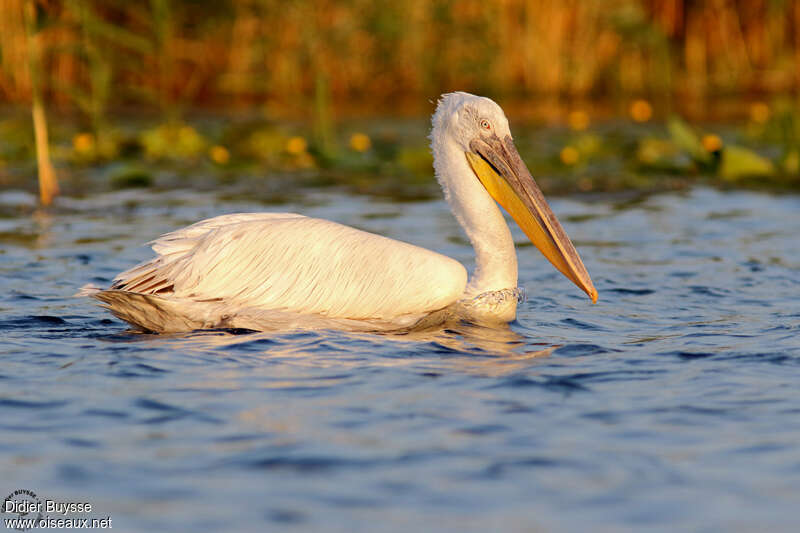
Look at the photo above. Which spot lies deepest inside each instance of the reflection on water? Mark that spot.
(489, 351)
(669, 404)
(43, 222)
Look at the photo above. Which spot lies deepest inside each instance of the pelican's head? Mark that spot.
(479, 127)
(464, 117)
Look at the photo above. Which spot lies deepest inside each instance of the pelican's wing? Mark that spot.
(298, 264)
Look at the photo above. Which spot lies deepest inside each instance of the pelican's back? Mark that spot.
(291, 263)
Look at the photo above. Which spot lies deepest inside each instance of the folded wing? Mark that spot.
(298, 264)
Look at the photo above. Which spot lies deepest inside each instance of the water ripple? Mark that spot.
(668, 405)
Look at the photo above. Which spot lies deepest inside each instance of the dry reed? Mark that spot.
(245, 52)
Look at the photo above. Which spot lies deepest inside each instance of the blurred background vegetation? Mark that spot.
(608, 94)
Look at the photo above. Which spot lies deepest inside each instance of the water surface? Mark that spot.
(674, 403)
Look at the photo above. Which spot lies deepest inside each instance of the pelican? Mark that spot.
(256, 270)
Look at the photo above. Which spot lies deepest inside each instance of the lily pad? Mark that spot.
(739, 162)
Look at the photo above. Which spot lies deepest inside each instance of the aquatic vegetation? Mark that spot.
(300, 72)
(87, 148)
(707, 154)
(578, 120)
(687, 140)
(415, 159)
(219, 154)
(656, 154)
(791, 162)
(569, 155)
(172, 141)
(587, 152)
(641, 110)
(737, 162)
(296, 145)
(128, 176)
(360, 142)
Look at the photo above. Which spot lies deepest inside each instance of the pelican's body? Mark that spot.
(265, 270)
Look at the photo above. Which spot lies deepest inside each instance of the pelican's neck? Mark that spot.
(478, 214)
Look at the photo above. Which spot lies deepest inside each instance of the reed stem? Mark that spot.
(48, 183)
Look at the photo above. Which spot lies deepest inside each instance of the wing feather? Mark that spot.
(294, 263)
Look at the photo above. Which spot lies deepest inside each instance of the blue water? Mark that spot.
(672, 404)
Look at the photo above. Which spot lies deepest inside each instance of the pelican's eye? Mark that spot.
(485, 124)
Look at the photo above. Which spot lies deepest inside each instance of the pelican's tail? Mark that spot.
(88, 290)
(149, 312)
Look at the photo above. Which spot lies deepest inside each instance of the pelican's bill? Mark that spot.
(502, 172)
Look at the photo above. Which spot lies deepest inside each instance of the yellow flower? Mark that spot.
(569, 155)
(759, 112)
(219, 154)
(641, 110)
(296, 145)
(711, 142)
(360, 142)
(83, 143)
(578, 120)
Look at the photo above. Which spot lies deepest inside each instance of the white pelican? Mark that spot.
(256, 270)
